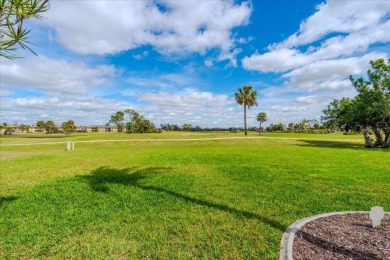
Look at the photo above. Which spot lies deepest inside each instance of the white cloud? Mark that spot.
(5, 92)
(169, 26)
(276, 61)
(43, 73)
(307, 100)
(342, 28)
(59, 107)
(161, 81)
(287, 108)
(338, 16)
(190, 106)
(141, 56)
(186, 100)
(329, 74)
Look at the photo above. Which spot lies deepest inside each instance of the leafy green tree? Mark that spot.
(369, 109)
(117, 119)
(186, 127)
(133, 118)
(261, 118)
(373, 100)
(50, 127)
(68, 126)
(138, 123)
(24, 127)
(13, 33)
(246, 96)
(6, 127)
(41, 125)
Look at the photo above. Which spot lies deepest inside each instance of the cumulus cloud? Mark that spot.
(47, 74)
(329, 74)
(137, 84)
(171, 27)
(83, 109)
(287, 108)
(307, 100)
(337, 29)
(339, 16)
(189, 106)
(187, 100)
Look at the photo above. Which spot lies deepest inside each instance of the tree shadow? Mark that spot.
(335, 144)
(101, 177)
(332, 247)
(7, 199)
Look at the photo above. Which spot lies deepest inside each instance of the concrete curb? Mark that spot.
(286, 250)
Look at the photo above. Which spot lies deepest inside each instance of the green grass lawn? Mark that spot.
(159, 198)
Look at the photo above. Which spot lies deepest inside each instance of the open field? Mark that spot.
(161, 198)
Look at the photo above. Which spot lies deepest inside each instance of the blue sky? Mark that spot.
(182, 61)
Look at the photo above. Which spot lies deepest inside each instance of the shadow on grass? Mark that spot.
(336, 144)
(7, 199)
(101, 177)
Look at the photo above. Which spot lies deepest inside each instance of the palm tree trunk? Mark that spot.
(367, 139)
(378, 136)
(260, 129)
(245, 119)
(387, 140)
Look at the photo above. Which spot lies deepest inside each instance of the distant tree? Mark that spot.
(146, 126)
(49, 127)
(24, 127)
(164, 127)
(6, 128)
(13, 33)
(174, 128)
(41, 125)
(133, 118)
(117, 119)
(246, 96)
(261, 118)
(68, 126)
(186, 127)
(138, 123)
(197, 128)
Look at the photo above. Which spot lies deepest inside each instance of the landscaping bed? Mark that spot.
(348, 236)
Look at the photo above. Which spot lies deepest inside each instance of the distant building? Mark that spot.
(93, 128)
(102, 129)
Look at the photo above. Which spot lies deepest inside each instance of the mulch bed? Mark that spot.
(349, 236)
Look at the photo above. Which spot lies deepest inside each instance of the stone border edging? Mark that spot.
(286, 250)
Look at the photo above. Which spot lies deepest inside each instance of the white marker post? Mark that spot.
(72, 146)
(67, 146)
(376, 215)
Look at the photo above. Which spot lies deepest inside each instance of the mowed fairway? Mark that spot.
(223, 198)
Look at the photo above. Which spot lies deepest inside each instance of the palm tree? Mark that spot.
(246, 96)
(49, 125)
(261, 118)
